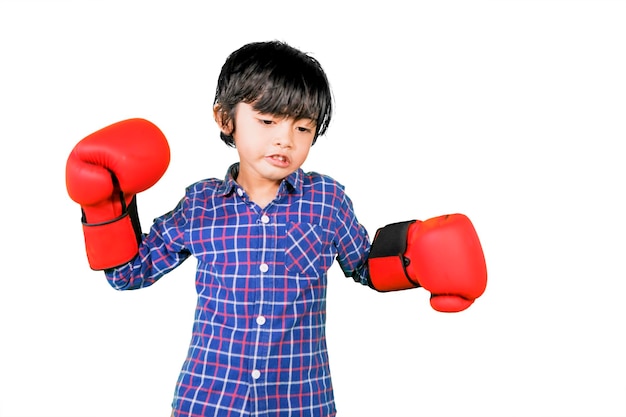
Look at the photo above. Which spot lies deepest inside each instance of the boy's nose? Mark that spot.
(284, 136)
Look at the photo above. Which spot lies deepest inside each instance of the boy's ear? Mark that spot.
(222, 119)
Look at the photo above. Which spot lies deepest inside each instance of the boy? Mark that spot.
(264, 238)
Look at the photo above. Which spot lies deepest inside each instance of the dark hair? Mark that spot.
(277, 79)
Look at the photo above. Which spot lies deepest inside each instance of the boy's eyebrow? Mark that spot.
(307, 120)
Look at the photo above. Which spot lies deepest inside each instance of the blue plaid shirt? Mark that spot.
(258, 345)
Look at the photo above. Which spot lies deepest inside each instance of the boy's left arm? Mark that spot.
(443, 255)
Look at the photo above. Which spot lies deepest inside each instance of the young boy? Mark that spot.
(264, 238)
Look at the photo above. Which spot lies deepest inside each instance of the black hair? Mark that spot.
(275, 78)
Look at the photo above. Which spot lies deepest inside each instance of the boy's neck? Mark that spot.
(261, 192)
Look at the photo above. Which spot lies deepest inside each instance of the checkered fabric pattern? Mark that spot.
(258, 346)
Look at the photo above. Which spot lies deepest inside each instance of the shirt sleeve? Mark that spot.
(352, 242)
(160, 251)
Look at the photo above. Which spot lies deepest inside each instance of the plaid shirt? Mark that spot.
(258, 345)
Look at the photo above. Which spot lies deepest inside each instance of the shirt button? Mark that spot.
(239, 192)
(260, 320)
(265, 219)
(264, 268)
(256, 374)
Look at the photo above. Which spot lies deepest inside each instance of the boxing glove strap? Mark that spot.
(387, 263)
(130, 211)
(115, 242)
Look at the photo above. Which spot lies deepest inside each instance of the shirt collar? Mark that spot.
(291, 184)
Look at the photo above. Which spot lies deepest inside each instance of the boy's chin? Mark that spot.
(278, 173)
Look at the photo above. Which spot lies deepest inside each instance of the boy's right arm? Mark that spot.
(160, 251)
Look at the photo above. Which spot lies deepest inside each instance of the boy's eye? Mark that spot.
(266, 121)
(303, 129)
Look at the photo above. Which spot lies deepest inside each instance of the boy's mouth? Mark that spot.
(278, 160)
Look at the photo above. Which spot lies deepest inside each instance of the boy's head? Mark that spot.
(276, 79)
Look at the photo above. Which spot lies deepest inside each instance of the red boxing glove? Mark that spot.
(103, 173)
(443, 255)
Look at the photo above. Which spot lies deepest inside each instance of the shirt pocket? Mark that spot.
(303, 249)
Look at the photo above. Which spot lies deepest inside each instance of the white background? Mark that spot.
(511, 112)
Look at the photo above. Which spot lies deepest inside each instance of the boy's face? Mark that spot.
(270, 147)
